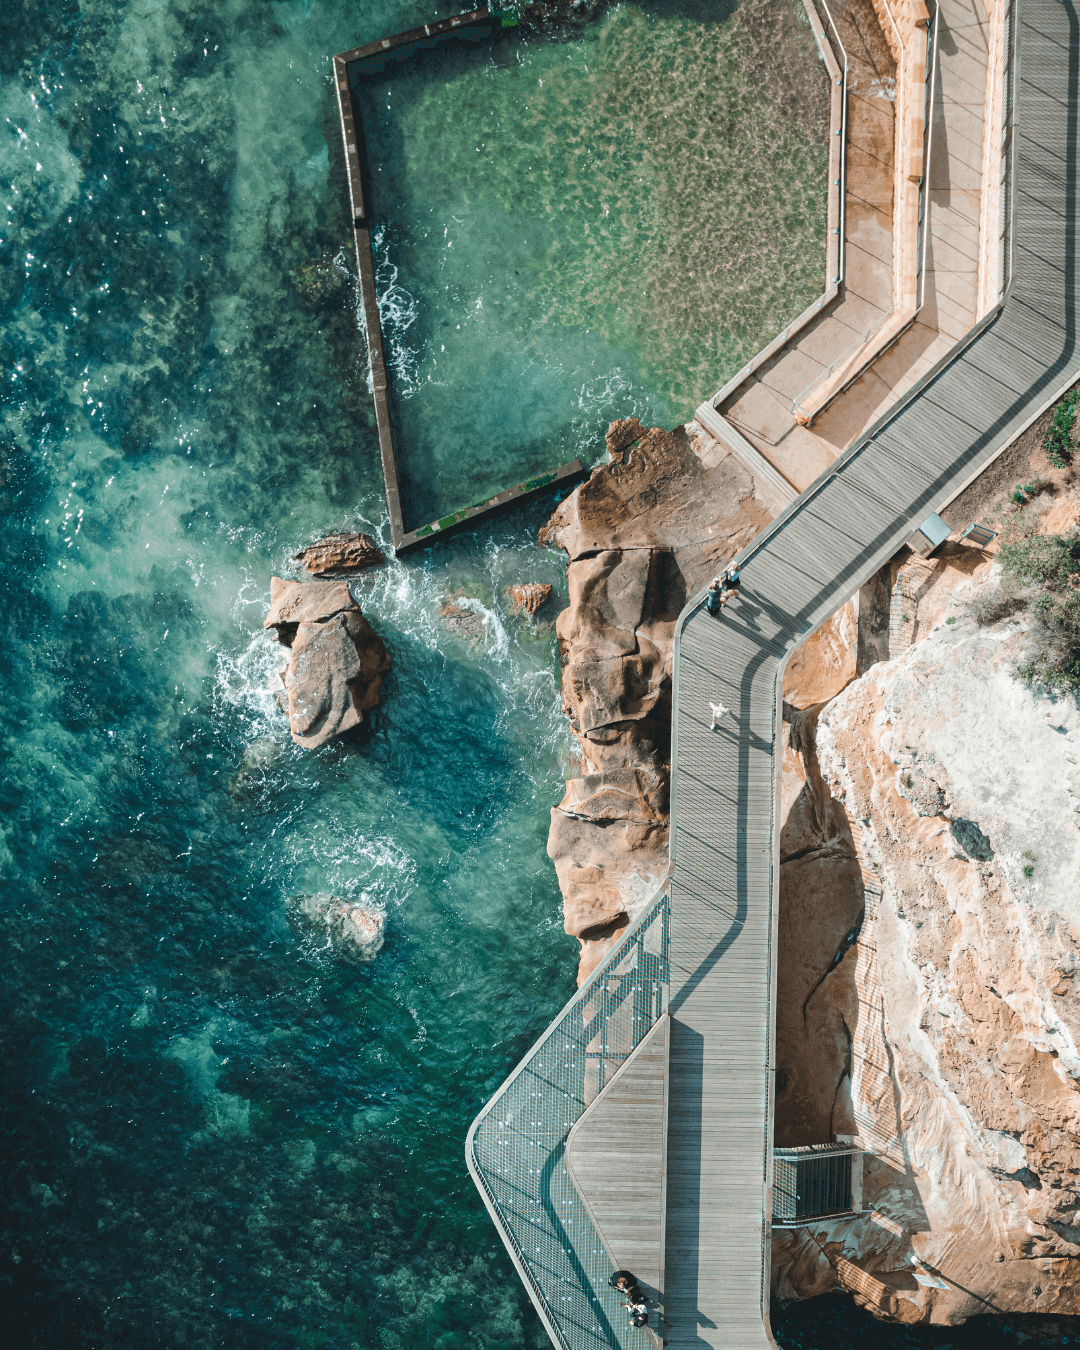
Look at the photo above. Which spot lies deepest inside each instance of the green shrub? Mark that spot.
(1058, 440)
(1023, 492)
(1029, 870)
(1052, 563)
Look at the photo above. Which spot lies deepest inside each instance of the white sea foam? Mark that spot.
(398, 311)
(246, 679)
(497, 641)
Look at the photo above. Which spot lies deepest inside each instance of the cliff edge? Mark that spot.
(645, 531)
(928, 962)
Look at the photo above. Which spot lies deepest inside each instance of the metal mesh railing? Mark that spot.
(516, 1145)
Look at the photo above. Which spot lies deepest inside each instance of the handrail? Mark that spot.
(514, 1149)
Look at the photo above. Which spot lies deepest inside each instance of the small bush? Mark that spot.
(1029, 870)
(1058, 440)
(996, 606)
(1052, 563)
(1024, 492)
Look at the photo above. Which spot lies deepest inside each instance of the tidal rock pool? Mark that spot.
(585, 219)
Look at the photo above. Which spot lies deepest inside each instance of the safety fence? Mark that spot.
(516, 1145)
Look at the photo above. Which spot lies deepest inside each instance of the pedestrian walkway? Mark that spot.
(704, 955)
(841, 530)
(959, 247)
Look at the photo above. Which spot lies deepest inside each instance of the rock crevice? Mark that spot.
(646, 531)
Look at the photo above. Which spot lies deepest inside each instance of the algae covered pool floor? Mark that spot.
(579, 222)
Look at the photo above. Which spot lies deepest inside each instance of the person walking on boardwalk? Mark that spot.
(718, 710)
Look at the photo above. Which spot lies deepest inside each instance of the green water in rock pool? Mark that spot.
(217, 1134)
(576, 224)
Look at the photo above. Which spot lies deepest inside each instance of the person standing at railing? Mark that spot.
(713, 601)
(729, 583)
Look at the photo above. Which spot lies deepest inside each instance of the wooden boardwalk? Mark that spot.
(717, 956)
(813, 557)
(615, 1156)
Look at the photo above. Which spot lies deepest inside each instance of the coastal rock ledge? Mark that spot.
(337, 553)
(646, 531)
(336, 659)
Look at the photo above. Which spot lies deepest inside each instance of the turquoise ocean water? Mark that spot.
(216, 1134)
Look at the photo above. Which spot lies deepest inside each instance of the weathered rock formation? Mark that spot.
(648, 529)
(928, 964)
(929, 948)
(340, 553)
(336, 660)
(355, 930)
(528, 597)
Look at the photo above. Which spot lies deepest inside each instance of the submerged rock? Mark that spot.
(357, 930)
(259, 761)
(459, 615)
(336, 659)
(340, 553)
(528, 597)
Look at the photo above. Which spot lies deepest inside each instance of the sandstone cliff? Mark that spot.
(930, 939)
(928, 965)
(647, 530)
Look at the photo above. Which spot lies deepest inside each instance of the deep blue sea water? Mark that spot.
(216, 1134)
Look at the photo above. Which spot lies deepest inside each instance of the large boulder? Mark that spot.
(336, 659)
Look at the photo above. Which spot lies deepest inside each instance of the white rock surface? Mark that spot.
(959, 996)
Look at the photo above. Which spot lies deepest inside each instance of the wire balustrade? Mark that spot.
(516, 1145)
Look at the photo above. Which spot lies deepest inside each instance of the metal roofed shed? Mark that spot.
(932, 532)
(811, 1183)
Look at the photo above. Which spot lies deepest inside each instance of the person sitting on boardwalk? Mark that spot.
(622, 1280)
(635, 1300)
(639, 1312)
